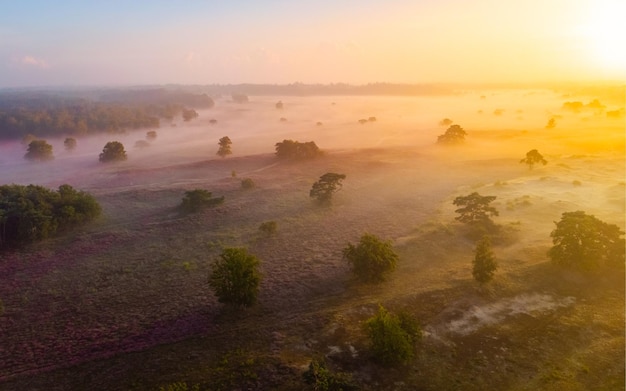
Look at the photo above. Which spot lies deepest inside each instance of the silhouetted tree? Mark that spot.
(372, 259)
(533, 157)
(279, 105)
(39, 150)
(475, 208)
(445, 122)
(141, 144)
(240, 98)
(582, 241)
(189, 114)
(151, 135)
(113, 151)
(551, 123)
(454, 135)
(70, 144)
(224, 149)
(289, 149)
(327, 185)
(484, 264)
(235, 277)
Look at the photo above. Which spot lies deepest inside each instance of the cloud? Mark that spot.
(30, 62)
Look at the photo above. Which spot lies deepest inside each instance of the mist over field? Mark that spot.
(135, 279)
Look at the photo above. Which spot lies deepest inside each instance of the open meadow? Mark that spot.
(123, 303)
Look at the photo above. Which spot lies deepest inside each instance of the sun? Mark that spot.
(605, 35)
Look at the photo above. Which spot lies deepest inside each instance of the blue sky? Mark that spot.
(274, 41)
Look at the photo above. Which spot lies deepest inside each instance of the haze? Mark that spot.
(157, 42)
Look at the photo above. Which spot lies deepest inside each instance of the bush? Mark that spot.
(198, 199)
(151, 135)
(179, 386)
(372, 259)
(69, 143)
(247, 183)
(322, 379)
(30, 213)
(235, 278)
(392, 337)
(268, 227)
(113, 151)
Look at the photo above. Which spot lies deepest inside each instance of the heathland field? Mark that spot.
(123, 303)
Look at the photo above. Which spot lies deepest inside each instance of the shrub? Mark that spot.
(323, 379)
(371, 259)
(235, 278)
(247, 183)
(198, 199)
(69, 143)
(268, 227)
(392, 337)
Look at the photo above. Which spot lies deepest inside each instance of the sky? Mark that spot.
(141, 42)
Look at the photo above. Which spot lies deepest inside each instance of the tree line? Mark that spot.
(50, 115)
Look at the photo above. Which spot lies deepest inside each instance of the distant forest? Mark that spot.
(83, 112)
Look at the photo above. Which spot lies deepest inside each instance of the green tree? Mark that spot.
(372, 259)
(224, 149)
(475, 208)
(392, 337)
(30, 213)
(484, 264)
(582, 241)
(323, 379)
(39, 150)
(198, 199)
(453, 135)
(113, 151)
(289, 149)
(189, 114)
(235, 277)
(533, 157)
(327, 185)
(70, 144)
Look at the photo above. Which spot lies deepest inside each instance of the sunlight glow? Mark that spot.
(605, 33)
